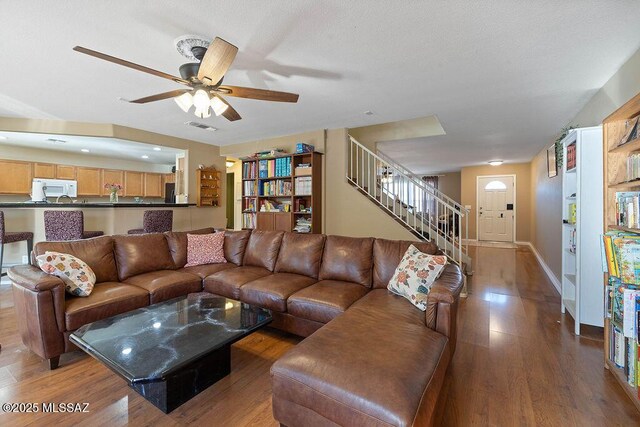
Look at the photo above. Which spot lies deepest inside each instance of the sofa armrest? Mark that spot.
(39, 304)
(442, 302)
(33, 278)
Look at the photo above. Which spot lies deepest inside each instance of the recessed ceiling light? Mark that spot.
(145, 157)
(84, 150)
(496, 162)
(157, 149)
(3, 137)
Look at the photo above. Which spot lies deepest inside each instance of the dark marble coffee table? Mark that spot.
(171, 351)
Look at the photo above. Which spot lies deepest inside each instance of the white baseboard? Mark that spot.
(552, 277)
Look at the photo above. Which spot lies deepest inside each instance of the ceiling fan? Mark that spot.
(204, 80)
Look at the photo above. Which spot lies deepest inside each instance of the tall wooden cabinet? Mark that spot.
(290, 184)
(582, 295)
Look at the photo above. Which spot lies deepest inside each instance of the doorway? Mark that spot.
(230, 200)
(496, 208)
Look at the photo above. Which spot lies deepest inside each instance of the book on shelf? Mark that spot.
(249, 188)
(631, 131)
(274, 168)
(248, 220)
(633, 166)
(303, 186)
(303, 225)
(571, 156)
(249, 170)
(276, 188)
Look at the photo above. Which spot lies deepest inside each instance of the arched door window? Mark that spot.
(496, 185)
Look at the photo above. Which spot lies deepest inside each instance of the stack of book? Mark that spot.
(628, 209)
(303, 225)
(249, 188)
(274, 167)
(621, 259)
(303, 186)
(249, 170)
(277, 187)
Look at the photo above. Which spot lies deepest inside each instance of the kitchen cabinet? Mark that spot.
(15, 177)
(169, 177)
(133, 184)
(65, 172)
(152, 185)
(112, 176)
(89, 180)
(44, 170)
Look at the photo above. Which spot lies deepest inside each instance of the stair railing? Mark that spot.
(425, 211)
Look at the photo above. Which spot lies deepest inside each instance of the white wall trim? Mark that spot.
(552, 277)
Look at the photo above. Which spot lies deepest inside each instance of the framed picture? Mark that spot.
(552, 166)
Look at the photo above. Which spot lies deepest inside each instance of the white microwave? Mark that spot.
(53, 188)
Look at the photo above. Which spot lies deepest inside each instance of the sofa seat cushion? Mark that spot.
(205, 270)
(166, 284)
(272, 291)
(107, 299)
(404, 366)
(323, 301)
(385, 306)
(228, 282)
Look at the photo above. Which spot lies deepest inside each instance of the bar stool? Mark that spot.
(66, 225)
(155, 222)
(16, 236)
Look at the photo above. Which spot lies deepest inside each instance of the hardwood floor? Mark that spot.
(517, 363)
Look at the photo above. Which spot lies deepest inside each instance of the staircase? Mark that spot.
(422, 209)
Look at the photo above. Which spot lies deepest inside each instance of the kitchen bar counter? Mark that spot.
(94, 205)
(110, 218)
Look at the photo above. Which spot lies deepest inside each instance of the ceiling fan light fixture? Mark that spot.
(184, 101)
(218, 106)
(203, 113)
(201, 99)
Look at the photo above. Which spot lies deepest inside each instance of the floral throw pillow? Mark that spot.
(77, 276)
(415, 275)
(205, 249)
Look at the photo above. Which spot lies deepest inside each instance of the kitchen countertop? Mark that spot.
(95, 205)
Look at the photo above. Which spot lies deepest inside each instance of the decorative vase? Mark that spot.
(113, 197)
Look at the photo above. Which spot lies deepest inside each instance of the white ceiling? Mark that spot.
(502, 76)
(103, 147)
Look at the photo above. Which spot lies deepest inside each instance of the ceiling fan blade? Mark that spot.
(261, 94)
(130, 64)
(230, 113)
(217, 60)
(160, 96)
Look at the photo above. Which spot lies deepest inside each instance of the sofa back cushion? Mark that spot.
(262, 249)
(300, 254)
(235, 244)
(387, 254)
(97, 253)
(348, 259)
(142, 253)
(177, 241)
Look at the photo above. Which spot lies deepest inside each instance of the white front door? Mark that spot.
(496, 208)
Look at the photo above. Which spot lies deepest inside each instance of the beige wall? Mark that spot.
(450, 185)
(402, 129)
(522, 171)
(546, 193)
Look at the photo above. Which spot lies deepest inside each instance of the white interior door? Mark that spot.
(496, 208)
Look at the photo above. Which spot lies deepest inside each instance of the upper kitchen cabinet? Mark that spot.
(133, 184)
(152, 185)
(112, 176)
(65, 172)
(15, 177)
(44, 170)
(89, 180)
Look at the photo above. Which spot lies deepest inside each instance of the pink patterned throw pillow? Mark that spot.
(205, 249)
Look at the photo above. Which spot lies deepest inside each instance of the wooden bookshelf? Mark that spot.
(310, 199)
(208, 187)
(615, 180)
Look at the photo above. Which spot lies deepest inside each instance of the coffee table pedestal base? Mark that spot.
(175, 389)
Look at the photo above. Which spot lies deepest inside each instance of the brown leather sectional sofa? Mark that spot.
(373, 358)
